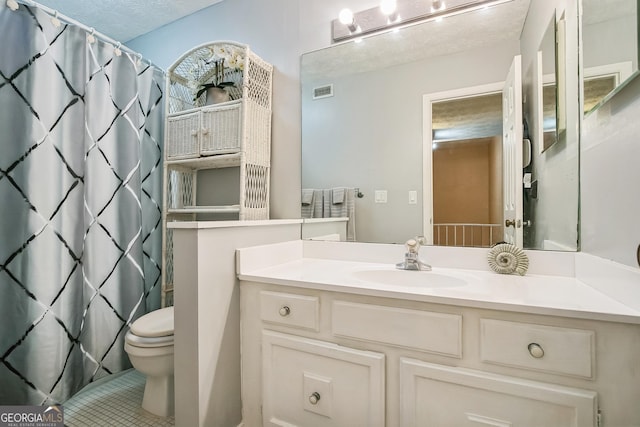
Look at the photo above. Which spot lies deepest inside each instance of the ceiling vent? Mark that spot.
(322, 91)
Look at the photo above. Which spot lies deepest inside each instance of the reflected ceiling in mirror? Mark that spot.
(467, 118)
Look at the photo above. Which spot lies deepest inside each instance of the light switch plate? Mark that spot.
(380, 196)
(413, 197)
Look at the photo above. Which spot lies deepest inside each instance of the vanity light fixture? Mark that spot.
(386, 17)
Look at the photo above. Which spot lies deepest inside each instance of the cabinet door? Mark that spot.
(221, 129)
(443, 396)
(183, 136)
(312, 383)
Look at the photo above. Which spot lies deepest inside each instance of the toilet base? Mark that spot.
(158, 396)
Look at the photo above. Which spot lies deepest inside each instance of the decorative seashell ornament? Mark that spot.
(505, 258)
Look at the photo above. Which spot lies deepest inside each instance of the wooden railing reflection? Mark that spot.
(469, 235)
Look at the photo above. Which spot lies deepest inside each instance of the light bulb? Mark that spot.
(437, 5)
(346, 17)
(388, 7)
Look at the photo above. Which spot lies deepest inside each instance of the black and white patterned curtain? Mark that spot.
(80, 204)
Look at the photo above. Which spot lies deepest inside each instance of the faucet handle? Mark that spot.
(412, 245)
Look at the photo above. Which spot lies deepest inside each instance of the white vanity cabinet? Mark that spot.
(400, 362)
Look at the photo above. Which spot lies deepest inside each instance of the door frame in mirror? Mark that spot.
(427, 143)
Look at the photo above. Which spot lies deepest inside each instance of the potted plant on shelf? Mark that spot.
(216, 89)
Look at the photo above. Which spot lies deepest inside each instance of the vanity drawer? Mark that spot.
(542, 348)
(299, 311)
(439, 333)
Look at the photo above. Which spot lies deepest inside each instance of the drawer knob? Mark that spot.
(314, 398)
(536, 350)
(284, 311)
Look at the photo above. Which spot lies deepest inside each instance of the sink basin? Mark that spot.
(427, 279)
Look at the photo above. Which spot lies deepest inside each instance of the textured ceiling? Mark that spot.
(123, 20)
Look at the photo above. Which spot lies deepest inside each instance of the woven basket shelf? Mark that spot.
(236, 133)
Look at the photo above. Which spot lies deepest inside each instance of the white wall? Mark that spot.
(369, 134)
(610, 178)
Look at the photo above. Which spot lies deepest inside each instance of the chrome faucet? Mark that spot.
(411, 257)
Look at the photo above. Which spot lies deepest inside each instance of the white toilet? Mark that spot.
(149, 344)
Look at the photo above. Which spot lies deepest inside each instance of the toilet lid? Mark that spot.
(158, 323)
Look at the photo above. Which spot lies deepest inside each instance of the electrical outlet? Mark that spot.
(380, 196)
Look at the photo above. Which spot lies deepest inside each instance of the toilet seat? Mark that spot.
(158, 323)
(138, 341)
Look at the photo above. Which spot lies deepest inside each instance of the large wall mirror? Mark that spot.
(610, 47)
(377, 114)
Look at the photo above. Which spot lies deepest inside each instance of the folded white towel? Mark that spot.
(338, 195)
(307, 196)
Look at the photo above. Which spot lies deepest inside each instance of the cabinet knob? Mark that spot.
(536, 350)
(314, 398)
(205, 131)
(194, 133)
(284, 311)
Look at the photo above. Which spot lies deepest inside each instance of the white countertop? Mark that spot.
(229, 224)
(532, 293)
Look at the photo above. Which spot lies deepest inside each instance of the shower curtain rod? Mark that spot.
(91, 30)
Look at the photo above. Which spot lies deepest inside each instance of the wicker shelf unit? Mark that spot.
(232, 134)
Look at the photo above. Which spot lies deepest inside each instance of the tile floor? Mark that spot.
(112, 401)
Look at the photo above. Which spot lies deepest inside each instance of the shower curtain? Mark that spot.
(80, 204)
